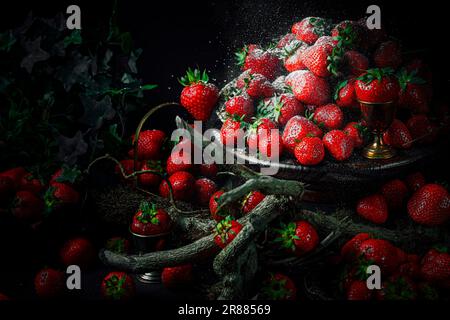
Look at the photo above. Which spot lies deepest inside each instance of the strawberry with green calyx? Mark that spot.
(150, 220)
(296, 129)
(317, 59)
(338, 144)
(240, 106)
(264, 137)
(298, 237)
(329, 116)
(430, 205)
(345, 96)
(281, 108)
(258, 61)
(377, 86)
(232, 131)
(293, 57)
(310, 29)
(278, 286)
(310, 151)
(182, 184)
(198, 96)
(255, 85)
(413, 92)
(151, 180)
(357, 132)
(60, 195)
(251, 201)
(309, 88)
(220, 214)
(118, 245)
(118, 286)
(226, 230)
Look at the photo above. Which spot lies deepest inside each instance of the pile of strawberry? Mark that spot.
(404, 276)
(426, 203)
(307, 86)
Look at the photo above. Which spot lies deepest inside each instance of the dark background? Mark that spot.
(179, 34)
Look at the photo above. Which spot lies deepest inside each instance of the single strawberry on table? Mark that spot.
(204, 189)
(177, 277)
(240, 106)
(430, 205)
(373, 208)
(150, 220)
(49, 283)
(251, 201)
(297, 237)
(198, 96)
(297, 128)
(117, 285)
(278, 286)
(338, 144)
(226, 230)
(182, 184)
(310, 151)
(330, 116)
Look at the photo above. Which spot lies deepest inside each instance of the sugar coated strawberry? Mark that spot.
(310, 151)
(259, 61)
(240, 106)
(309, 29)
(338, 144)
(329, 116)
(308, 88)
(296, 129)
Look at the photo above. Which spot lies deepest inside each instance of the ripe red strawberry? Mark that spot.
(30, 183)
(308, 88)
(397, 287)
(381, 253)
(310, 151)
(117, 285)
(226, 230)
(415, 181)
(338, 144)
(377, 85)
(118, 245)
(15, 175)
(27, 207)
(182, 183)
(49, 283)
(78, 251)
(422, 128)
(285, 40)
(350, 250)
(296, 129)
(356, 62)
(177, 277)
(358, 291)
(259, 61)
(326, 40)
(4, 297)
(198, 96)
(298, 237)
(151, 180)
(251, 201)
(398, 136)
(204, 189)
(255, 85)
(430, 205)
(178, 162)
(388, 54)
(329, 116)
(60, 195)
(240, 106)
(278, 287)
(208, 170)
(150, 220)
(413, 93)
(395, 192)
(309, 29)
(345, 96)
(265, 138)
(284, 107)
(373, 208)
(316, 59)
(356, 131)
(294, 61)
(149, 145)
(349, 30)
(232, 132)
(410, 268)
(435, 266)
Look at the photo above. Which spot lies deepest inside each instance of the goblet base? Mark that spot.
(153, 277)
(377, 150)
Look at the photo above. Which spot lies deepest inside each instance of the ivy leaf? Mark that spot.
(7, 40)
(73, 38)
(70, 149)
(96, 112)
(134, 56)
(35, 54)
(75, 71)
